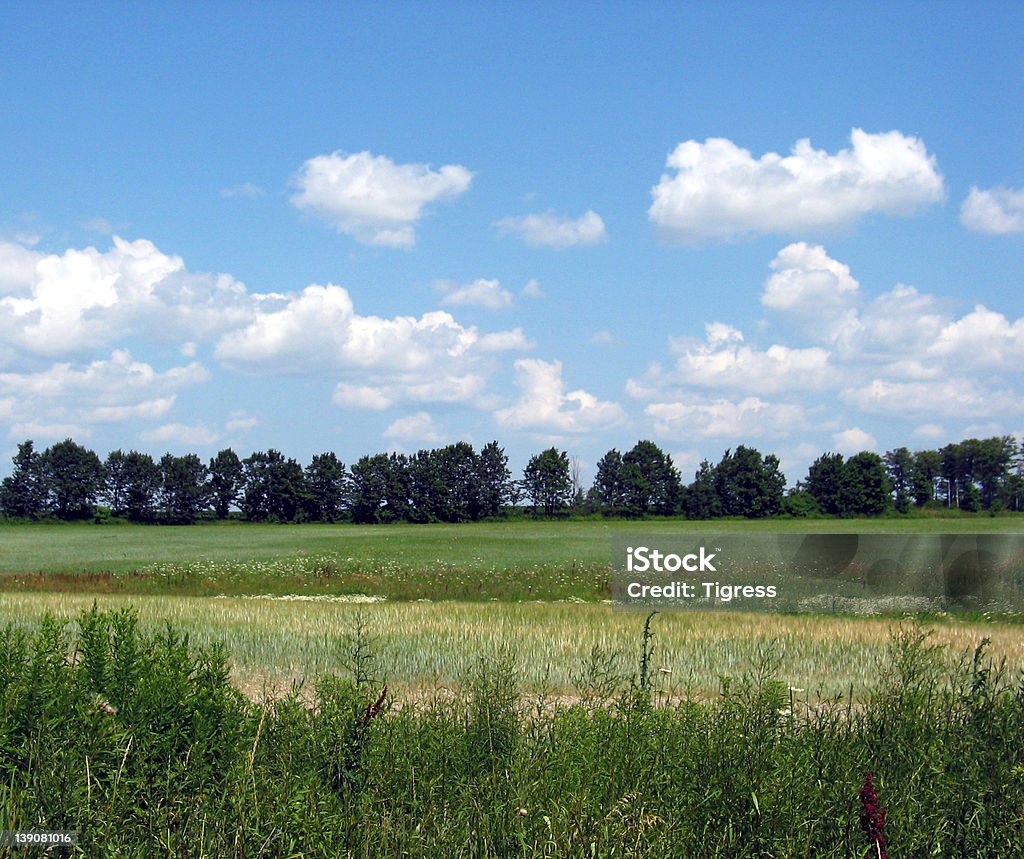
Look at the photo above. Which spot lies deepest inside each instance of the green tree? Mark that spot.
(23, 493)
(368, 488)
(115, 482)
(546, 481)
(650, 482)
(748, 484)
(899, 466)
(608, 486)
(184, 491)
(142, 483)
(927, 470)
(493, 478)
(865, 487)
(275, 487)
(327, 487)
(992, 460)
(702, 501)
(73, 479)
(227, 481)
(825, 483)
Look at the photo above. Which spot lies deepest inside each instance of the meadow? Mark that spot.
(468, 691)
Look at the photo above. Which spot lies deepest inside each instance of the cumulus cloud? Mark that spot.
(544, 406)
(415, 429)
(371, 198)
(957, 396)
(549, 230)
(818, 292)
(982, 338)
(723, 360)
(181, 435)
(401, 389)
(115, 390)
(63, 304)
(998, 211)
(748, 418)
(17, 266)
(484, 293)
(320, 324)
(853, 440)
(146, 410)
(719, 191)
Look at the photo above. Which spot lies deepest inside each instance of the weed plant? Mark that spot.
(139, 742)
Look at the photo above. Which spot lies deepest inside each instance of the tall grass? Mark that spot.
(431, 645)
(138, 741)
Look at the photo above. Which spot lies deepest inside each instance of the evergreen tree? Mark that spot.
(227, 480)
(327, 487)
(825, 483)
(546, 481)
(72, 477)
(23, 493)
(865, 487)
(184, 490)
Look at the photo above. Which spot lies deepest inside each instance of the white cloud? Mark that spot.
(545, 407)
(484, 293)
(181, 435)
(547, 229)
(723, 361)
(811, 287)
(104, 381)
(319, 326)
(82, 299)
(362, 396)
(602, 338)
(17, 266)
(929, 431)
(532, 289)
(241, 422)
(39, 430)
(719, 191)
(401, 389)
(998, 211)
(748, 418)
(982, 338)
(246, 190)
(514, 340)
(115, 390)
(854, 440)
(146, 410)
(418, 429)
(371, 198)
(945, 397)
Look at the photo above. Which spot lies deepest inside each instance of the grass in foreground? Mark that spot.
(139, 742)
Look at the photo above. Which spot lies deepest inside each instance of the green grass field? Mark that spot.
(517, 560)
(452, 593)
(522, 715)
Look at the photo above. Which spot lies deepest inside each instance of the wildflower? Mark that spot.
(872, 820)
(523, 812)
(373, 709)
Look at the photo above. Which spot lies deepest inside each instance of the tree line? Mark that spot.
(456, 483)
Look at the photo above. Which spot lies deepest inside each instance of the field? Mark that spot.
(523, 714)
(285, 599)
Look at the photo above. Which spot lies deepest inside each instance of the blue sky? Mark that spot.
(366, 227)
